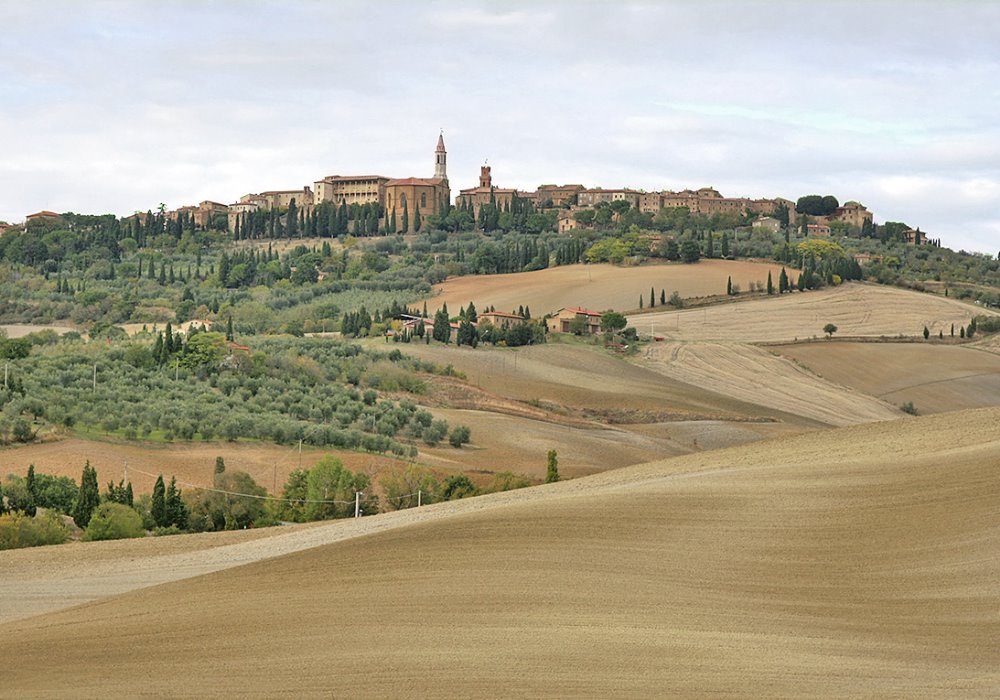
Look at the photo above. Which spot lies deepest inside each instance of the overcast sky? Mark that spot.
(118, 106)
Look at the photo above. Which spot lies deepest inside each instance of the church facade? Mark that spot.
(403, 198)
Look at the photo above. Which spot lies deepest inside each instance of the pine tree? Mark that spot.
(88, 498)
(159, 506)
(552, 471)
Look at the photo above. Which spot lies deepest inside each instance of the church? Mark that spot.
(416, 194)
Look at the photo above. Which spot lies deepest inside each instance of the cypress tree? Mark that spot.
(770, 284)
(729, 285)
(159, 507)
(640, 301)
(663, 297)
(31, 482)
(406, 216)
(652, 298)
(392, 221)
(416, 218)
(176, 510)
(783, 282)
(552, 471)
(88, 498)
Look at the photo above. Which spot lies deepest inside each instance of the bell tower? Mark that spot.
(441, 159)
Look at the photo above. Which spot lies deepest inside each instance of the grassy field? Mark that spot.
(933, 377)
(859, 561)
(856, 309)
(598, 287)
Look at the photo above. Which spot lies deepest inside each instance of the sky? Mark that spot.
(113, 106)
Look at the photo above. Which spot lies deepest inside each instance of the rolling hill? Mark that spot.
(860, 561)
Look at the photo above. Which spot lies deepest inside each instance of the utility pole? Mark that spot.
(95, 378)
(126, 471)
(357, 504)
(300, 452)
(419, 498)
(177, 368)
(6, 366)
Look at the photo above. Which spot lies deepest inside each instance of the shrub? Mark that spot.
(908, 407)
(19, 530)
(460, 435)
(113, 521)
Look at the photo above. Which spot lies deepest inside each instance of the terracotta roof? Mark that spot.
(579, 310)
(424, 181)
(330, 178)
(41, 213)
(487, 190)
(501, 314)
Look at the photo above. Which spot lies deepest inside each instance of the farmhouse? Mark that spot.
(561, 320)
(40, 215)
(500, 319)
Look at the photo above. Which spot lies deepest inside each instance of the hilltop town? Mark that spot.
(388, 205)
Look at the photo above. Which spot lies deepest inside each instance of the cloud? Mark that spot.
(114, 106)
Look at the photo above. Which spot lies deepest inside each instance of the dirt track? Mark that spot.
(854, 562)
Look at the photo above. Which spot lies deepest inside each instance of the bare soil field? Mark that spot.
(599, 287)
(754, 375)
(191, 463)
(859, 561)
(584, 377)
(19, 330)
(933, 377)
(856, 309)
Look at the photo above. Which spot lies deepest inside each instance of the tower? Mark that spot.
(441, 159)
(485, 179)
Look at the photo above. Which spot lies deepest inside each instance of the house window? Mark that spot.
(423, 200)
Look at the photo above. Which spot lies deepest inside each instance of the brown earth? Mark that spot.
(598, 287)
(191, 463)
(933, 377)
(860, 561)
(754, 375)
(856, 309)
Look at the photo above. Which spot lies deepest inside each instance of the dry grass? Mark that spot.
(933, 377)
(596, 286)
(856, 310)
(854, 562)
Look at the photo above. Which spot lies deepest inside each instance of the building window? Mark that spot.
(423, 200)
(402, 200)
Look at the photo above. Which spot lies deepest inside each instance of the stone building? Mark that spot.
(477, 196)
(351, 189)
(426, 195)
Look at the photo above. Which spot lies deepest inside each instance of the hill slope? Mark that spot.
(859, 561)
